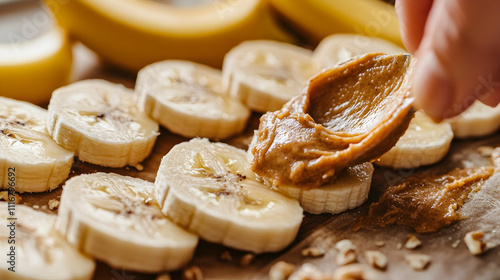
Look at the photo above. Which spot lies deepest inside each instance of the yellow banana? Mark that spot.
(31, 70)
(135, 33)
(316, 19)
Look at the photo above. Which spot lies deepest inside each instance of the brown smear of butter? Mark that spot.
(346, 115)
(425, 203)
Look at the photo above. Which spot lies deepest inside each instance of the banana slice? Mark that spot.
(340, 47)
(40, 252)
(117, 220)
(30, 160)
(316, 19)
(478, 120)
(266, 74)
(208, 188)
(101, 122)
(188, 99)
(135, 33)
(424, 142)
(348, 191)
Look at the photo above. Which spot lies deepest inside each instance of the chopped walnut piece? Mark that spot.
(313, 252)
(418, 261)
(354, 272)
(413, 242)
(376, 259)
(192, 273)
(36, 207)
(380, 243)
(485, 151)
(53, 204)
(164, 276)
(281, 271)
(399, 246)
(308, 272)
(455, 244)
(226, 256)
(346, 252)
(139, 167)
(474, 243)
(247, 259)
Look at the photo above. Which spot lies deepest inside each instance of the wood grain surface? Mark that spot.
(324, 231)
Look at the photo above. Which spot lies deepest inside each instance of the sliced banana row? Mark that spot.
(209, 189)
(188, 99)
(116, 219)
(424, 142)
(30, 161)
(40, 252)
(101, 123)
(266, 74)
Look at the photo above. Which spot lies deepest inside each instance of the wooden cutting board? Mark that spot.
(448, 263)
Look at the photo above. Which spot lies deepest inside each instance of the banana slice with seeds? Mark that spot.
(34, 161)
(341, 47)
(101, 122)
(117, 220)
(424, 142)
(266, 74)
(188, 99)
(208, 188)
(478, 120)
(40, 251)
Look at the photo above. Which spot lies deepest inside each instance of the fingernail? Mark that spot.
(432, 88)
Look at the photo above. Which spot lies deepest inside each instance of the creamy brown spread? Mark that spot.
(346, 115)
(426, 204)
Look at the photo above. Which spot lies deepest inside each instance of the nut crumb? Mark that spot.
(399, 246)
(307, 272)
(485, 151)
(455, 244)
(164, 276)
(226, 256)
(346, 252)
(354, 272)
(412, 242)
(313, 252)
(53, 204)
(474, 242)
(418, 261)
(281, 271)
(139, 167)
(376, 259)
(192, 273)
(36, 207)
(380, 243)
(247, 259)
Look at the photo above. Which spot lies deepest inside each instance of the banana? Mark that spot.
(31, 68)
(424, 142)
(132, 34)
(30, 161)
(347, 191)
(266, 74)
(101, 122)
(40, 252)
(340, 47)
(116, 219)
(209, 189)
(316, 19)
(478, 120)
(188, 99)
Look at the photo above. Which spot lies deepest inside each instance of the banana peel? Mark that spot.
(31, 70)
(134, 33)
(316, 19)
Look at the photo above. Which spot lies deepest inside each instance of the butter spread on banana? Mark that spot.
(426, 203)
(346, 115)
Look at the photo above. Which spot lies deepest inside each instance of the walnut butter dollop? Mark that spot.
(346, 115)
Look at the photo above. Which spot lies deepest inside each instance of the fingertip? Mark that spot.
(432, 90)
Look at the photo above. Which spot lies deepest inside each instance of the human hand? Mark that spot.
(457, 44)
